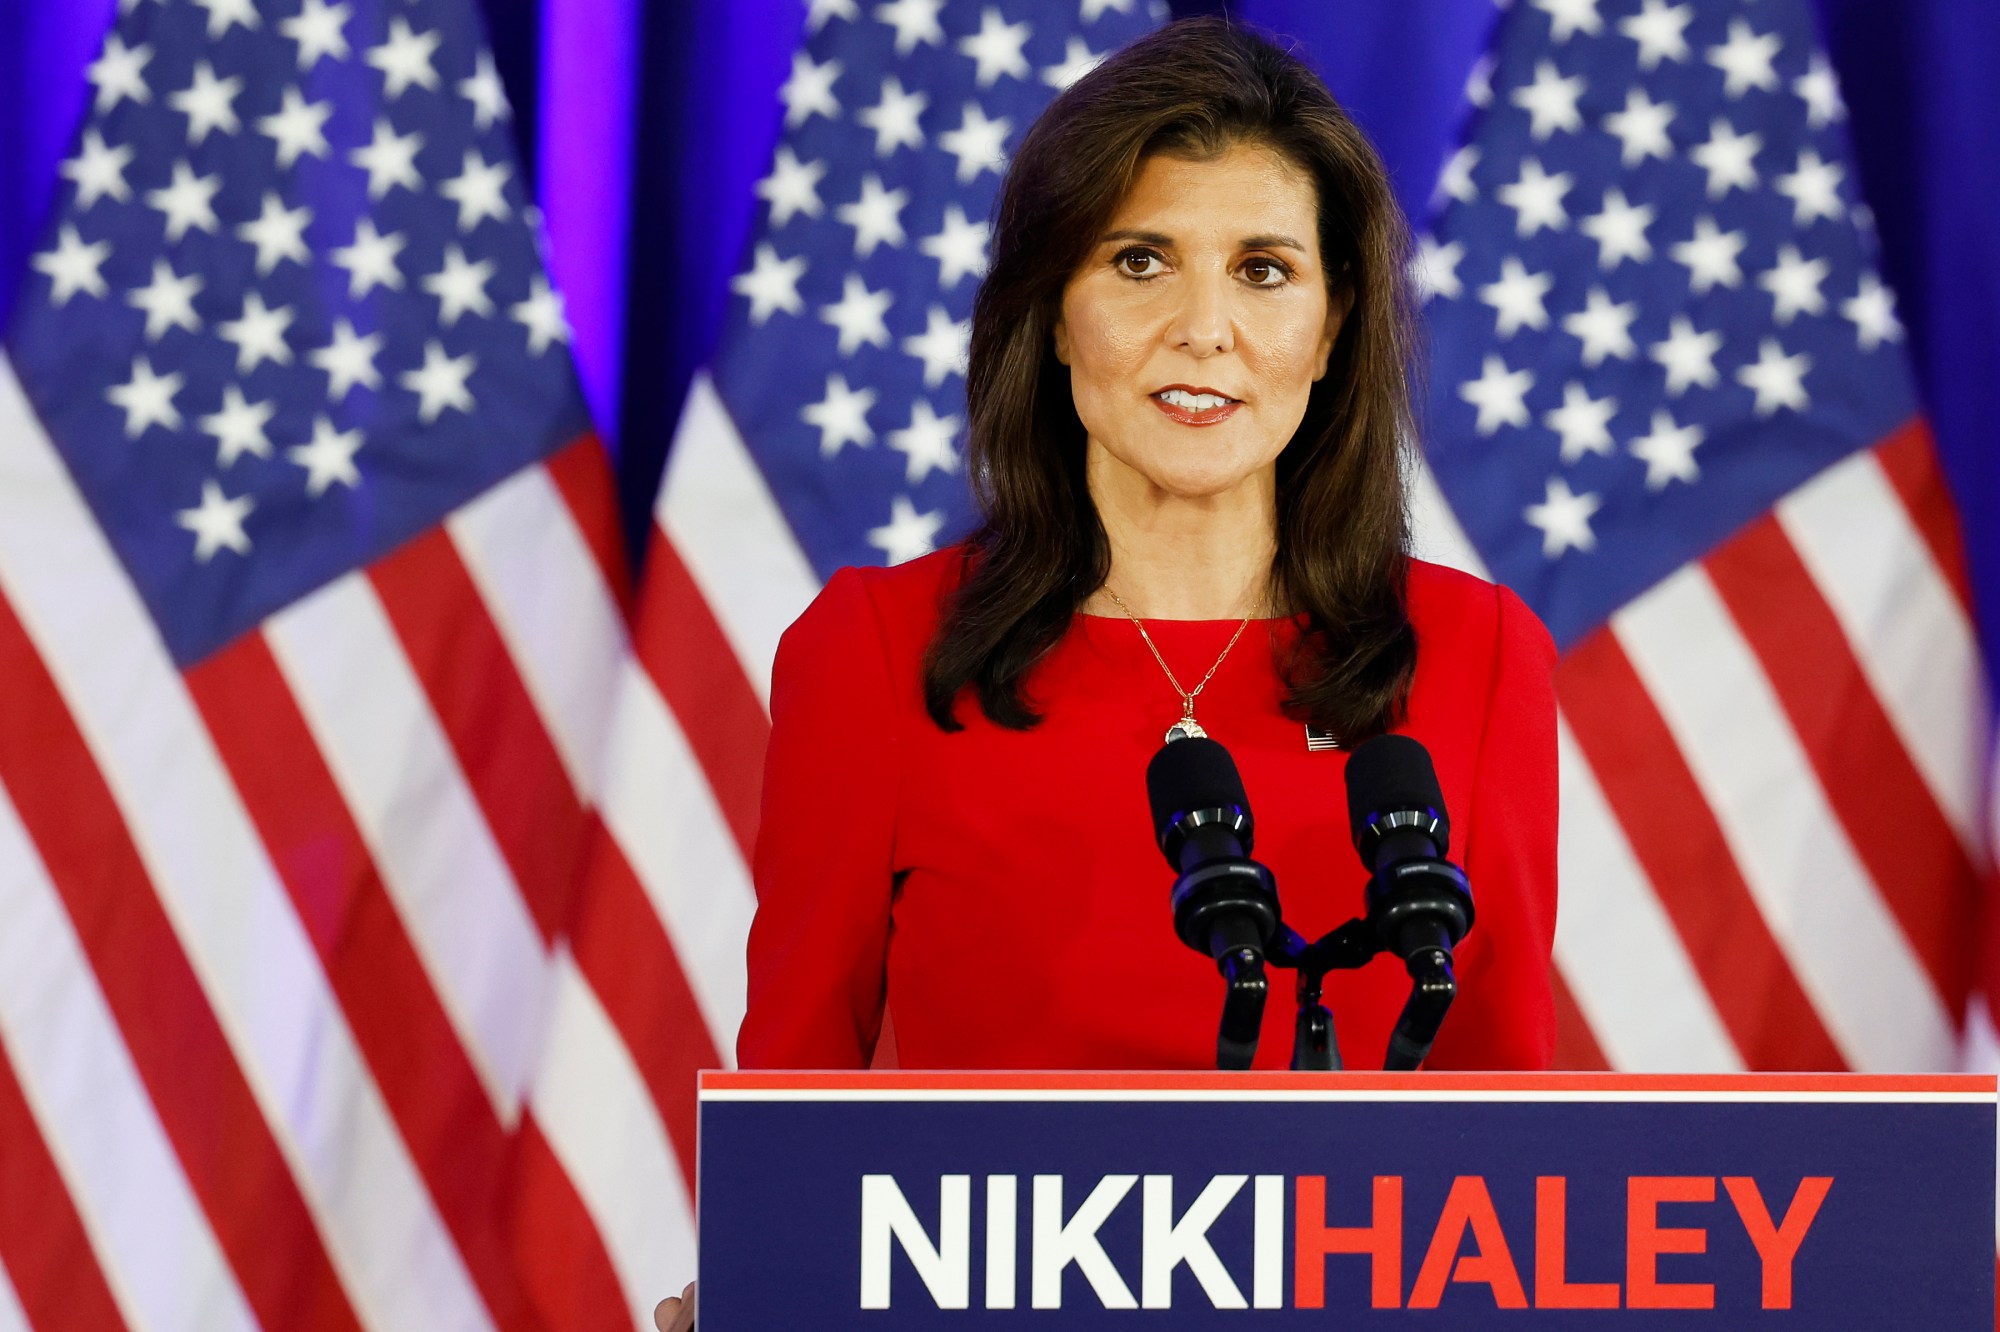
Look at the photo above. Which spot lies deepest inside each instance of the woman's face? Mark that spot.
(1195, 330)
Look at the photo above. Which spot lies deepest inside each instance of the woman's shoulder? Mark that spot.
(914, 585)
(1441, 589)
(1451, 604)
(899, 604)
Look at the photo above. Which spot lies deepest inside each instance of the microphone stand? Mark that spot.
(1315, 1045)
(1432, 988)
(1242, 1008)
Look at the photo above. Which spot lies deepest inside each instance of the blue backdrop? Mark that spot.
(645, 125)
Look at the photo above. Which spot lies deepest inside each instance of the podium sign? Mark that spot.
(1352, 1200)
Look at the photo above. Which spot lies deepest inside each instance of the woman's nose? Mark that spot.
(1202, 324)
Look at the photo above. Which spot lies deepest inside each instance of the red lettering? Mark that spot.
(1646, 1239)
(1382, 1241)
(1553, 1289)
(1469, 1207)
(1777, 1245)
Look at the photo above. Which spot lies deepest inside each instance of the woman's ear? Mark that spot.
(1339, 304)
(1060, 333)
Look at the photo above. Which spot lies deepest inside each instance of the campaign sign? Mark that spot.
(1354, 1200)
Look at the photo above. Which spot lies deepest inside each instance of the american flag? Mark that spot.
(826, 432)
(310, 622)
(1669, 406)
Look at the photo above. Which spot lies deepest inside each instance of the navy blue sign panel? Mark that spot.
(1060, 1201)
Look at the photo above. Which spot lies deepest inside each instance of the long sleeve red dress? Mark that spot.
(999, 894)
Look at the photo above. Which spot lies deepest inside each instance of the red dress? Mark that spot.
(999, 892)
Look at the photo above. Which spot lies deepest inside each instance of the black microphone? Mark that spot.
(1419, 903)
(1225, 903)
(1392, 791)
(1223, 900)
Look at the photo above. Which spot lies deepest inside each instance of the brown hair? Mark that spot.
(1194, 88)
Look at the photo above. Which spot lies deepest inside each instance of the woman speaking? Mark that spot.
(1187, 404)
(1188, 407)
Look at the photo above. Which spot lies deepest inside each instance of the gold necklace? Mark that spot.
(1187, 727)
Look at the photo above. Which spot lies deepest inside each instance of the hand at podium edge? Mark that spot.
(676, 1313)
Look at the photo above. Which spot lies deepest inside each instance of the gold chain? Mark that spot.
(1188, 696)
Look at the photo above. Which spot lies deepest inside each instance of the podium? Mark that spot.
(1347, 1200)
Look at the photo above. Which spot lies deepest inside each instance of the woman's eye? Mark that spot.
(1138, 263)
(1266, 272)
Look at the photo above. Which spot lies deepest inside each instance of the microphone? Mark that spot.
(1225, 903)
(1419, 903)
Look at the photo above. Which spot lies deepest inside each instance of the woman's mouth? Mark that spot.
(1195, 407)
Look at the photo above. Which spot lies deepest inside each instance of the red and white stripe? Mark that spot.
(299, 1025)
(99, 1141)
(679, 805)
(13, 1318)
(716, 511)
(1772, 772)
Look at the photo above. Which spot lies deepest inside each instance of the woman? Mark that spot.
(1187, 398)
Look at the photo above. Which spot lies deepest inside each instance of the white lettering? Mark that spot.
(1268, 1256)
(946, 1267)
(1169, 1244)
(1002, 1203)
(1057, 1244)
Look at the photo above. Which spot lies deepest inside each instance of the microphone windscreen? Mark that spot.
(1388, 774)
(1191, 774)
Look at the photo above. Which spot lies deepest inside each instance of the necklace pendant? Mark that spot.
(1187, 728)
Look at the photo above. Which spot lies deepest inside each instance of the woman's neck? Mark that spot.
(1186, 558)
